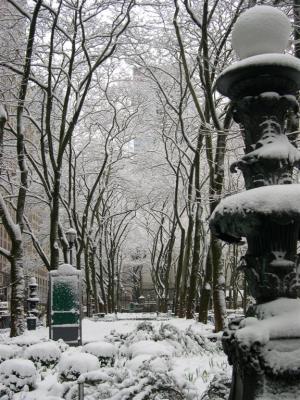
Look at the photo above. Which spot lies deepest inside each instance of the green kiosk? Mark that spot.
(65, 305)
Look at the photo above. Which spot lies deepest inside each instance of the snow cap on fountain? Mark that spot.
(260, 30)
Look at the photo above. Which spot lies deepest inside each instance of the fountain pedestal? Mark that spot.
(264, 348)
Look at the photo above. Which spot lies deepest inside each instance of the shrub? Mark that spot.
(18, 374)
(5, 393)
(105, 352)
(71, 365)
(218, 389)
(45, 354)
(8, 351)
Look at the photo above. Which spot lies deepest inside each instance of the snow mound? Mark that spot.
(71, 365)
(267, 200)
(18, 374)
(137, 362)
(161, 364)
(100, 349)
(281, 319)
(45, 353)
(276, 147)
(7, 352)
(162, 348)
(166, 341)
(260, 30)
(25, 340)
(105, 352)
(244, 210)
(65, 269)
(95, 376)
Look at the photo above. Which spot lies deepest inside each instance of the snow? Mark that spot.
(46, 353)
(94, 376)
(274, 200)
(18, 374)
(175, 355)
(274, 59)
(280, 319)
(71, 365)
(279, 360)
(71, 231)
(275, 334)
(138, 361)
(259, 30)
(274, 147)
(65, 269)
(280, 261)
(150, 347)
(100, 349)
(32, 281)
(7, 351)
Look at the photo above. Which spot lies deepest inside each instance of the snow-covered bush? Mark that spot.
(5, 393)
(63, 346)
(150, 363)
(18, 374)
(185, 342)
(218, 389)
(162, 348)
(8, 351)
(168, 341)
(144, 331)
(45, 354)
(145, 326)
(71, 365)
(25, 340)
(168, 331)
(146, 385)
(105, 352)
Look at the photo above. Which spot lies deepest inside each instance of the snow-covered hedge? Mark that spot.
(18, 374)
(45, 354)
(25, 340)
(105, 352)
(71, 365)
(7, 352)
(161, 348)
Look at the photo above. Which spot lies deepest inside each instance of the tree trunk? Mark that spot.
(54, 217)
(17, 289)
(218, 286)
(206, 288)
(185, 268)
(179, 270)
(87, 283)
(93, 277)
(101, 281)
(195, 265)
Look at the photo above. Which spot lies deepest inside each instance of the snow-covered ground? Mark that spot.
(128, 359)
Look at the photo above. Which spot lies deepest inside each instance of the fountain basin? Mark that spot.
(244, 214)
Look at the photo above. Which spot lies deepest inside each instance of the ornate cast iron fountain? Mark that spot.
(264, 348)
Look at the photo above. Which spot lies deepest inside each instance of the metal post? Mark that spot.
(32, 304)
(81, 391)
